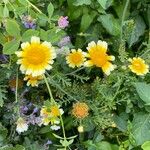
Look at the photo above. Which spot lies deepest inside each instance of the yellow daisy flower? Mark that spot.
(36, 57)
(50, 114)
(97, 54)
(138, 66)
(75, 58)
(33, 81)
(80, 110)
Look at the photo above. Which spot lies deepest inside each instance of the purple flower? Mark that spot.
(28, 22)
(48, 142)
(63, 22)
(35, 110)
(24, 109)
(64, 41)
(29, 25)
(3, 58)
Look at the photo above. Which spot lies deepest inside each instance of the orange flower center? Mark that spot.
(55, 111)
(76, 57)
(36, 54)
(99, 58)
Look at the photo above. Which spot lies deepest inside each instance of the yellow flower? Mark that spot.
(97, 54)
(33, 81)
(51, 114)
(75, 58)
(138, 66)
(36, 57)
(80, 110)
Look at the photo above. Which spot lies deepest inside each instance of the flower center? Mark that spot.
(76, 58)
(36, 54)
(55, 111)
(98, 58)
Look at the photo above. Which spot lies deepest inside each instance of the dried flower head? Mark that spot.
(80, 110)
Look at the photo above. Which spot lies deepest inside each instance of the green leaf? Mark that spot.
(50, 10)
(5, 12)
(27, 35)
(86, 21)
(143, 91)
(13, 28)
(110, 24)
(141, 128)
(82, 2)
(105, 3)
(146, 145)
(137, 31)
(10, 47)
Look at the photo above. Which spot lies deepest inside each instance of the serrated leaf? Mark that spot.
(82, 2)
(13, 28)
(143, 91)
(10, 47)
(50, 10)
(141, 128)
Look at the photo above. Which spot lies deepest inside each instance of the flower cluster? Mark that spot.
(50, 114)
(63, 22)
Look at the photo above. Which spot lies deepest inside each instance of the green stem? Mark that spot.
(34, 6)
(48, 87)
(123, 17)
(16, 90)
(75, 71)
(62, 124)
(51, 96)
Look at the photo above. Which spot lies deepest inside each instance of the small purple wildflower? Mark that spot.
(3, 58)
(64, 41)
(63, 22)
(28, 22)
(35, 110)
(48, 142)
(24, 109)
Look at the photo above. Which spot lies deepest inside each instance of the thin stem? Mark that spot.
(16, 91)
(123, 17)
(75, 71)
(34, 6)
(62, 124)
(48, 87)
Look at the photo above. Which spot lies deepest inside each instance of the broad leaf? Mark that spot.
(141, 128)
(82, 2)
(143, 90)
(110, 24)
(10, 47)
(137, 32)
(13, 28)
(146, 145)
(105, 3)
(27, 35)
(50, 10)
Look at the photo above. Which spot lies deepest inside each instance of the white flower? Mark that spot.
(55, 127)
(21, 125)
